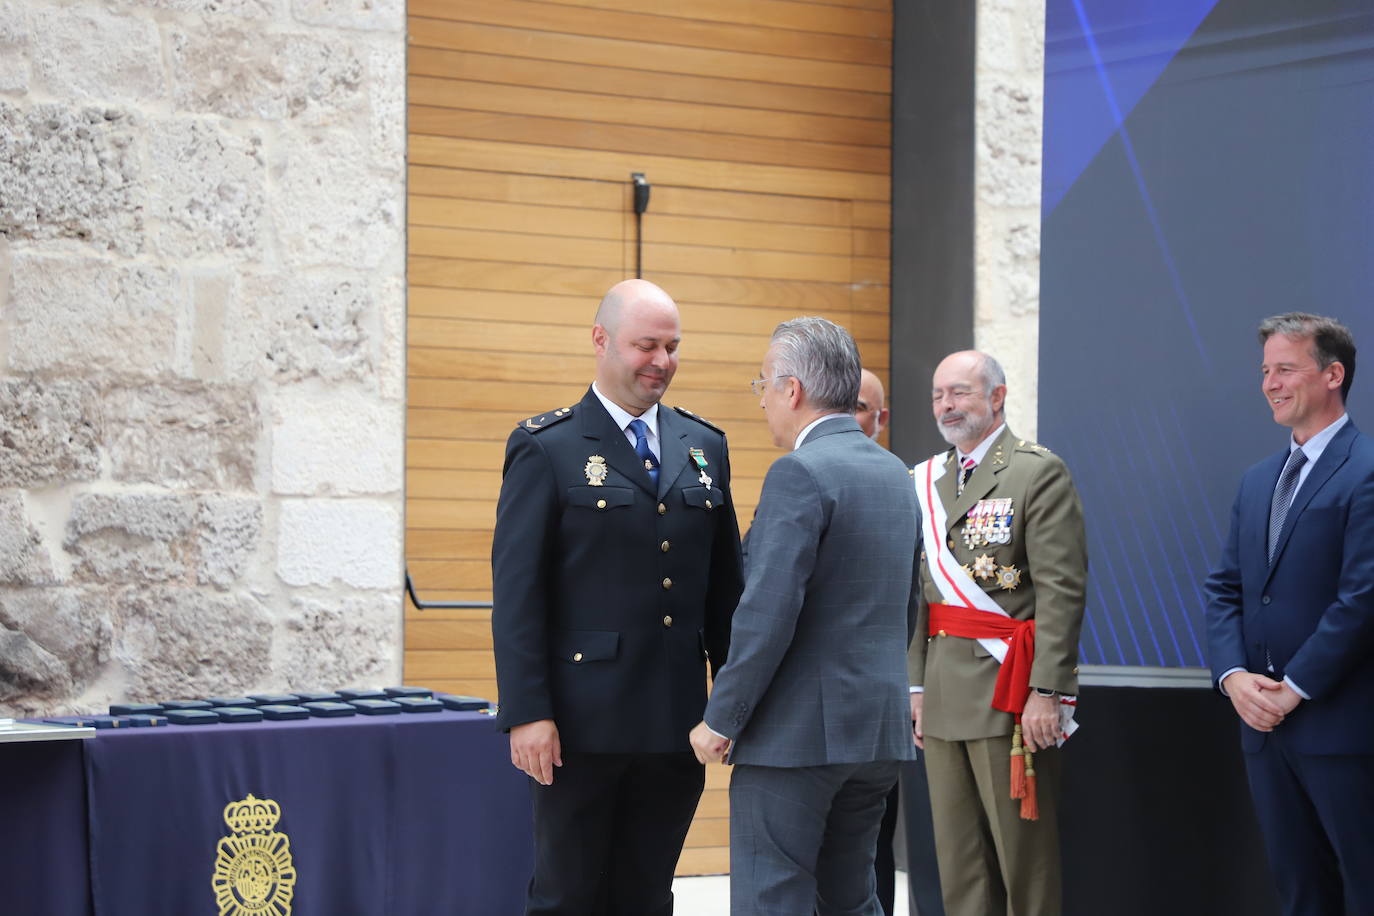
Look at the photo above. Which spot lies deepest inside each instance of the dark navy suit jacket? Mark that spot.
(1310, 615)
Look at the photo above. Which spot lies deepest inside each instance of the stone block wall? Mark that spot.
(1008, 126)
(202, 256)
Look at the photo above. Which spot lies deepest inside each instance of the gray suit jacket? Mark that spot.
(817, 670)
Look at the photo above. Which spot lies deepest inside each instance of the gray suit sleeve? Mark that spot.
(783, 542)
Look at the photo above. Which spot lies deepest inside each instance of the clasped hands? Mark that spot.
(1261, 702)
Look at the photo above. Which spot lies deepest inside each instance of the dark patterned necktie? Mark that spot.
(965, 472)
(641, 431)
(1283, 498)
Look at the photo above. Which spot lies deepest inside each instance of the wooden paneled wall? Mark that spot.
(763, 127)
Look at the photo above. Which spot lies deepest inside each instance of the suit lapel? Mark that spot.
(1333, 456)
(672, 448)
(612, 444)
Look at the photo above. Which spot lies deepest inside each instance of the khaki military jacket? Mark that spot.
(1041, 573)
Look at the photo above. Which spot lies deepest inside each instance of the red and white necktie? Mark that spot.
(965, 472)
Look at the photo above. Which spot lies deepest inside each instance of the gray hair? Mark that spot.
(991, 371)
(1331, 341)
(822, 356)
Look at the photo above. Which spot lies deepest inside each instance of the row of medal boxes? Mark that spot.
(277, 706)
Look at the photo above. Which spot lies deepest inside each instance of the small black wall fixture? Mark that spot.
(642, 189)
(441, 605)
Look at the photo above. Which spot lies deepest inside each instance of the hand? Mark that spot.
(1257, 699)
(1040, 722)
(1288, 698)
(534, 748)
(707, 745)
(918, 703)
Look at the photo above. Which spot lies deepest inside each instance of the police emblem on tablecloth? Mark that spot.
(254, 874)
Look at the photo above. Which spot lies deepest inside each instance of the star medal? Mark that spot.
(699, 457)
(1008, 577)
(984, 567)
(596, 470)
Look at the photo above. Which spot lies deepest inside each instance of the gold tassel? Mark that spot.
(1018, 764)
(1030, 806)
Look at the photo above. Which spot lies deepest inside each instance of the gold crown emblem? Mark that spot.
(252, 815)
(254, 873)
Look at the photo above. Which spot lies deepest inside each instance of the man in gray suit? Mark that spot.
(811, 706)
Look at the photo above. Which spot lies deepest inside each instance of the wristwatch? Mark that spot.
(1042, 692)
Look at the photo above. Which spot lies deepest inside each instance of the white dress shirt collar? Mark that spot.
(806, 430)
(622, 418)
(981, 451)
(1314, 447)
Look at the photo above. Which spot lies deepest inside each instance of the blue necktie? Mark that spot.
(641, 431)
(1283, 498)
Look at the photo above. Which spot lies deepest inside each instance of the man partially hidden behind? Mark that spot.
(814, 694)
(995, 655)
(616, 568)
(1290, 624)
(923, 880)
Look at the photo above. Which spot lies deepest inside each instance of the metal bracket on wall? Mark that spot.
(442, 605)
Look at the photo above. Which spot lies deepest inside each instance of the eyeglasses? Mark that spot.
(759, 385)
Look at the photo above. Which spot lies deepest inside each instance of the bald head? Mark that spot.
(636, 336)
(968, 396)
(631, 295)
(871, 413)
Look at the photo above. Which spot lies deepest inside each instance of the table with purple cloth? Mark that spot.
(401, 815)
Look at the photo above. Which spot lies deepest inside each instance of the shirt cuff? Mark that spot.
(1224, 675)
(915, 689)
(718, 734)
(1296, 689)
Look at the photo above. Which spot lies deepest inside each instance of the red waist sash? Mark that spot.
(1013, 680)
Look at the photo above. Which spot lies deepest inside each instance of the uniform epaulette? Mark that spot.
(545, 420)
(704, 422)
(1023, 445)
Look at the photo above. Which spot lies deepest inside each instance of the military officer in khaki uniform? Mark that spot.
(1003, 555)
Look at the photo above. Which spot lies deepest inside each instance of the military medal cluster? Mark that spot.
(989, 523)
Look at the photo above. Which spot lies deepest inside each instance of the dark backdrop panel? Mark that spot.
(1207, 165)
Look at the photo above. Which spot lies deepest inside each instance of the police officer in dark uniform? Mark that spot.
(616, 569)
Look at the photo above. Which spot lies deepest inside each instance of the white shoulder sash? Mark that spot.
(956, 587)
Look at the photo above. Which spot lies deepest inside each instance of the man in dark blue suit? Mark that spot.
(1290, 625)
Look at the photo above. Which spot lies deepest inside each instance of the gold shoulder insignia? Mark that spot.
(254, 872)
(545, 420)
(703, 421)
(1033, 447)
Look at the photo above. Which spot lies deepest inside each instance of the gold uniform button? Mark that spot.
(601, 503)
(664, 546)
(943, 633)
(577, 656)
(708, 504)
(662, 509)
(667, 621)
(951, 543)
(667, 583)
